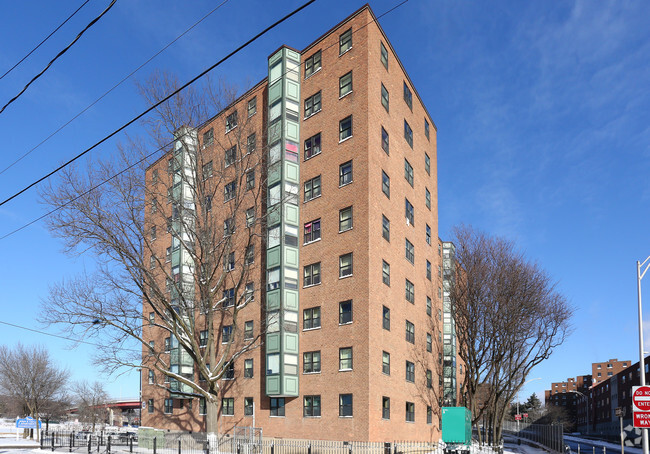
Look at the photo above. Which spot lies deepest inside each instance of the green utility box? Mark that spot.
(456, 425)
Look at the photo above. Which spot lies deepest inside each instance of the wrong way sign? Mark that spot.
(641, 406)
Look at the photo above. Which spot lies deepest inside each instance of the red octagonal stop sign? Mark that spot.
(641, 398)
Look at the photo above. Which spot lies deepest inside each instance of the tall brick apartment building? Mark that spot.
(348, 264)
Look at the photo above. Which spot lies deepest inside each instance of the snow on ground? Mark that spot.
(601, 444)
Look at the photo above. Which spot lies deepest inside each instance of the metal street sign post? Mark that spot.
(641, 406)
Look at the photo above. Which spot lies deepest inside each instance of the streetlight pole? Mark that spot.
(639, 276)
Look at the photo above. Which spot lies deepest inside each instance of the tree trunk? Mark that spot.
(212, 417)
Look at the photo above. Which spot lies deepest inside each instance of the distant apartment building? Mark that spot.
(604, 370)
(349, 263)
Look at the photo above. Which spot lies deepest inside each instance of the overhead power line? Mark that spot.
(45, 39)
(45, 333)
(166, 98)
(24, 226)
(24, 155)
(93, 22)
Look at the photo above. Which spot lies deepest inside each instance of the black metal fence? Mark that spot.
(549, 436)
(201, 443)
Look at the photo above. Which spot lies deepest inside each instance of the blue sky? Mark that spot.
(542, 112)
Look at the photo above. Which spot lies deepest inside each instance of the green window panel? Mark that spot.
(293, 90)
(291, 215)
(291, 172)
(273, 217)
(273, 257)
(275, 132)
(290, 385)
(275, 71)
(291, 256)
(290, 299)
(292, 54)
(275, 173)
(291, 131)
(291, 343)
(273, 343)
(273, 299)
(273, 385)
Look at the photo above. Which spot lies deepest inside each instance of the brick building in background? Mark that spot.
(352, 269)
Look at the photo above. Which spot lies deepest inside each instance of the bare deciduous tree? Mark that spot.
(509, 318)
(91, 400)
(189, 305)
(30, 379)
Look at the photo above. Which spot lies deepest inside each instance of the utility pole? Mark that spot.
(639, 276)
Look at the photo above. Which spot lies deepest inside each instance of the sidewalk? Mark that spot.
(8, 441)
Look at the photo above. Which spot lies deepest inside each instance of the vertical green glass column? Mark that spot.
(181, 168)
(448, 326)
(283, 219)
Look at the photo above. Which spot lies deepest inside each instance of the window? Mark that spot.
(428, 270)
(311, 275)
(426, 128)
(345, 173)
(408, 133)
(345, 42)
(226, 332)
(228, 226)
(152, 262)
(429, 306)
(385, 228)
(312, 231)
(385, 272)
(345, 219)
(154, 176)
(152, 318)
(169, 406)
(312, 188)
(345, 312)
(251, 143)
(385, 318)
(248, 368)
(345, 84)
(427, 198)
(311, 318)
(311, 362)
(249, 292)
(384, 97)
(345, 405)
(151, 377)
(207, 170)
(409, 251)
(153, 233)
(203, 338)
(408, 172)
(312, 146)
(428, 234)
(229, 191)
(208, 137)
(384, 140)
(385, 184)
(248, 329)
(383, 57)
(311, 406)
(154, 205)
(252, 107)
(409, 212)
(250, 180)
(345, 265)
(248, 406)
(410, 412)
(231, 121)
(312, 64)
(410, 332)
(408, 97)
(150, 405)
(277, 406)
(385, 363)
(250, 216)
(345, 358)
(229, 297)
(409, 292)
(152, 346)
(345, 128)
(410, 372)
(229, 373)
(312, 105)
(427, 163)
(429, 342)
(231, 156)
(228, 406)
(429, 415)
